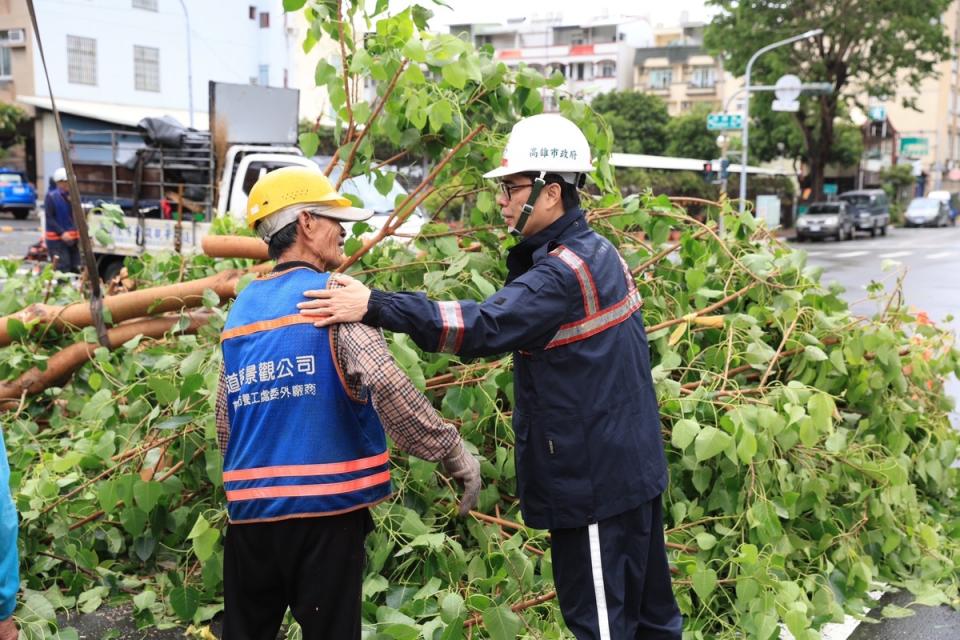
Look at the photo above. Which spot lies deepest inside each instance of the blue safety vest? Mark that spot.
(300, 445)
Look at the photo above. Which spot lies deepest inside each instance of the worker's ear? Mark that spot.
(307, 224)
(554, 194)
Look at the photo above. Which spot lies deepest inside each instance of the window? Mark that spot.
(608, 68)
(703, 78)
(6, 71)
(660, 78)
(264, 20)
(263, 75)
(252, 12)
(81, 60)
(149, 5)
(146, 68)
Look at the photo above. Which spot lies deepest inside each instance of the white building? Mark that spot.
(113, 62)
(594, 55)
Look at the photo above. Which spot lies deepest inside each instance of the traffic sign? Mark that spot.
(877, 112)
(787, 89)
(914, 147)
(724, 121)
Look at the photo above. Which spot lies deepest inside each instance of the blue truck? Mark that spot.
(16, 194)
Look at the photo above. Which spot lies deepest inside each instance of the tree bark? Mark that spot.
(62, 364)
(135, 304)
(235, 247)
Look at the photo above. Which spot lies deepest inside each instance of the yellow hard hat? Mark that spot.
(287, 186)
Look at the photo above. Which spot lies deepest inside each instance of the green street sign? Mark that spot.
(724, 121)
(914, 147)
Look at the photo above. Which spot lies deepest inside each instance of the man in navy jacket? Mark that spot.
(589, 454)
(61, 233)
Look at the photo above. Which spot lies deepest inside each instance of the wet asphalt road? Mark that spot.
(931, 258)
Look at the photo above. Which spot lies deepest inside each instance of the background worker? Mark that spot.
(301, 417)
(589, 450)
(61, 231)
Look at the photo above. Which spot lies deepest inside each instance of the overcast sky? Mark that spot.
(666, 13)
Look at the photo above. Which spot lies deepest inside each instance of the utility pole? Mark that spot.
(746, 107)
(186, 17)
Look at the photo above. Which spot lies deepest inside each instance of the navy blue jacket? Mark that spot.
(58, 215)
(588, 441)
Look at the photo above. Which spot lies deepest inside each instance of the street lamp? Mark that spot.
(746, 107)
(186, 17)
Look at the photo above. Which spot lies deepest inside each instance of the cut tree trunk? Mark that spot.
(62, 364)
(135, 304)
(235, 247)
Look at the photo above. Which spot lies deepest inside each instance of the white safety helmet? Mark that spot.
(60, 175)
(545, 143)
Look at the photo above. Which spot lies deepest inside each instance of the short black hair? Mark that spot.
(282, 240)
(569, 194)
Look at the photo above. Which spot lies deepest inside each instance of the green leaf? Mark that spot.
(483, 285)
(134, 520)
(683, 433)
(814, 354)
(704, 581)
(199, 528)
(144, 599)
(293, 5)
(893, 611)
(309, 143)
(184, 601)
(164, 388)
(205, 544)
(146, 494)
(502, 623)
(16, 329)
(455, 75)
(414, 50)
(413, 75)
(710, 442)
(451, 607)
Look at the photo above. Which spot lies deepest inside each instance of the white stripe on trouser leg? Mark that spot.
(597, 567)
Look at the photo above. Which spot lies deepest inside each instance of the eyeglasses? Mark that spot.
(507, 189)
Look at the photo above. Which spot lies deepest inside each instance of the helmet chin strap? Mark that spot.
(527, 209)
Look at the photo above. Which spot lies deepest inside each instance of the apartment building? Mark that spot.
(594, 55)
(114, 62)
(929, 137)
(677, 68)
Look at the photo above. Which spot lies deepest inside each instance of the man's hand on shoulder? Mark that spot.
(337, 304)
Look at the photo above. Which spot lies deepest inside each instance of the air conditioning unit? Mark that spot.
(16, 38)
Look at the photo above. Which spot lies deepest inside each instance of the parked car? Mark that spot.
(927, 212)
(870, 209)
(952, 200)
(16, 195)
(826, 220)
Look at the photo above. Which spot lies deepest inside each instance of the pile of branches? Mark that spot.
(809, 447)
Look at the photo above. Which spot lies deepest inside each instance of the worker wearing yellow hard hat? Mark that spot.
(302, 418)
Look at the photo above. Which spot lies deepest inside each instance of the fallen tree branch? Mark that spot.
(517, 608)
(134, 304)
(234, 247)
(61, 365)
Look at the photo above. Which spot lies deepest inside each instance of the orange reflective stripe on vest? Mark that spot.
(52, 235)
(292, 491)
(286, 471)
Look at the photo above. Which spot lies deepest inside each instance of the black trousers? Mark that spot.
(613, 580)
(312, 565)
(67, 256)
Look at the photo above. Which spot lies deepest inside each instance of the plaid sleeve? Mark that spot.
(406, 414)
(220, 411)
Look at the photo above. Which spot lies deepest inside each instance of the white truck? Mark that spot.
(171, 182)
